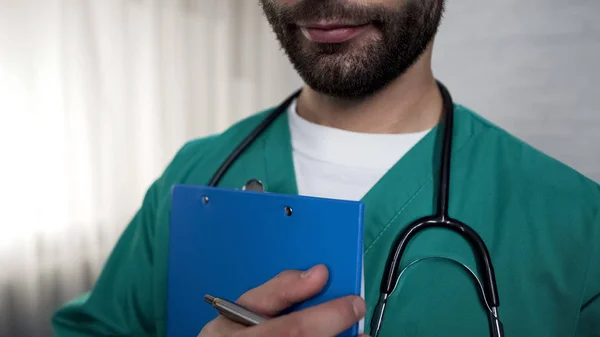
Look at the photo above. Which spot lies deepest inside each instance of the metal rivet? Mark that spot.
(254, 185)
(288, 211)
(205, 200)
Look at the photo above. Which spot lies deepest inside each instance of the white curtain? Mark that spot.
(97, 95)
(95, 98)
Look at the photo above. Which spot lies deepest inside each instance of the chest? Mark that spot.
(539, 279)
(437, 293)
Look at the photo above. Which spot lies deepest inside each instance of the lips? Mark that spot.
(324, 32)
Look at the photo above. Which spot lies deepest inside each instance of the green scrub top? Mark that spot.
(539, 218)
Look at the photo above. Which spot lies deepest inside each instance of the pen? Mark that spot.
(234, 311)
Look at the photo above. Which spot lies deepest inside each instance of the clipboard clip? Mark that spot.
(254, 185)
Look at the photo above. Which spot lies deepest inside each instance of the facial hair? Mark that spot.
(355, 69)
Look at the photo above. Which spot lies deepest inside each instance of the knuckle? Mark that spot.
(294, 331)
(240, 333)
(274, 293)
(209, 330)
(294, 327)
(281, 294)
(285, 277)
(283, 284)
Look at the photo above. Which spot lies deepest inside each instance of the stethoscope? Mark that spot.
(441, 219)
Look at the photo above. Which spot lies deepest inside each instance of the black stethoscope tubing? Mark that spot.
(441, 219)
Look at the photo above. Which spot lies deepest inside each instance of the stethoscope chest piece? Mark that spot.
(254, 185)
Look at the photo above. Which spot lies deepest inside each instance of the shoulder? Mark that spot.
(529, 170)
(196, 153)
(551, 206)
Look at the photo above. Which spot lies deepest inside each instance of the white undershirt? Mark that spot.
(339, 164)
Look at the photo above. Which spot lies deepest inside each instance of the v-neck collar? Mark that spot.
(393, 192)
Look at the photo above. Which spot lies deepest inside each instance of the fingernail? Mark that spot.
(307, 273)
(359, 307)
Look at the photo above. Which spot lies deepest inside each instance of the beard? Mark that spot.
(358, 67)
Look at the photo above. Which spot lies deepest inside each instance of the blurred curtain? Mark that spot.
(95, 98)
(97, 95)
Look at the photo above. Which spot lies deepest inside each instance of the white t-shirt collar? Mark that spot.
(347, 148)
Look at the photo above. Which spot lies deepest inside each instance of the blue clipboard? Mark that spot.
(225, 242)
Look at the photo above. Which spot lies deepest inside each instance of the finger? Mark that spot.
(284, 290)
(220, 327)
(325, 320)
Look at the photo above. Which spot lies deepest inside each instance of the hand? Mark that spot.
(290, 287)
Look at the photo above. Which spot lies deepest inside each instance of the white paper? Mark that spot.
(361, 324)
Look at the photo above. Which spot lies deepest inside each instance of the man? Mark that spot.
(363, 128)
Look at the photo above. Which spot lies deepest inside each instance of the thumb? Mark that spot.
(325, 320)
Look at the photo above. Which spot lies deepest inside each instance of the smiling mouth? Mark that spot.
(332, 32)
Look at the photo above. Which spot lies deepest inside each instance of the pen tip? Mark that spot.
(209, 299)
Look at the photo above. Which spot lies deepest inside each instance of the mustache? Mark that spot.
(329, 10)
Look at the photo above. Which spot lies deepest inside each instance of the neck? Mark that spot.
(411, 103)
